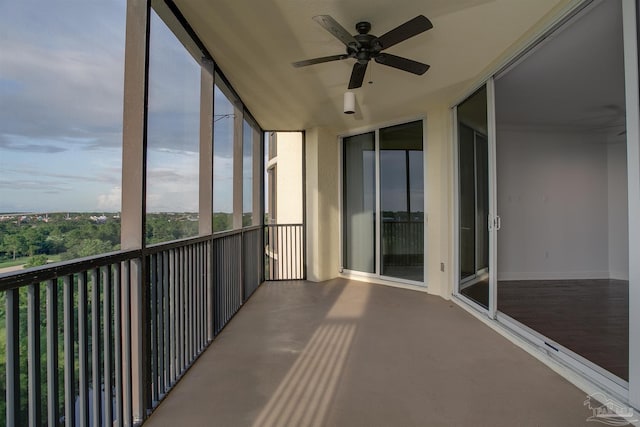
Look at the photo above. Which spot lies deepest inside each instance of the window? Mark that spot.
(172, 137)
(251, 169)
(224, 118)
(61, 91)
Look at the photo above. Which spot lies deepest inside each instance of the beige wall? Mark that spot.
(322, 204)
(289, 178)
(439, 189)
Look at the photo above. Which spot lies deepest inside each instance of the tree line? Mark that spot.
(70, 236)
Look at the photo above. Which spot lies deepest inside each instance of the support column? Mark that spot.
(258, 177)
(440, 259)
(206, 148)
(134, 126)
(133, 193)
(323, 208)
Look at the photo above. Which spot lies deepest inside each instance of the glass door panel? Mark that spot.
(473, 182)
(482, 202)
(467, 183)
(359, 203)
(402, 202)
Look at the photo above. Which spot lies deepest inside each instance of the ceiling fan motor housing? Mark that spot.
(369, 48)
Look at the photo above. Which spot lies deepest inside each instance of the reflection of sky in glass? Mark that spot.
(224, 113)
(416, 181)
(369, 180)
(61, 91)
(393, 181)
(401, 168)
(173, 123)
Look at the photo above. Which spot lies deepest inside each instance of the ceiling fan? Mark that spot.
(364, 46)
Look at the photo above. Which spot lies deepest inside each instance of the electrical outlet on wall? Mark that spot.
(442, 267)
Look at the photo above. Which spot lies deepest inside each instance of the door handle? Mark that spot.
(495, 223)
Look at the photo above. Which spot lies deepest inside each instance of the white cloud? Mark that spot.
(110, 201)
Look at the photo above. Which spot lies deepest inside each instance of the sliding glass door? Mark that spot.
(556, 265)
(383, 202)
(473, 196)
(562, 193)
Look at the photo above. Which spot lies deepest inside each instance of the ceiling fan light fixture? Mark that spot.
(349, 103)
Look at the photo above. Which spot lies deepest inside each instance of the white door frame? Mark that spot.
(493, 219)
(630, 37)
(457, 283)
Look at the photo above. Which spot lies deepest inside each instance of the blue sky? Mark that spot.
(61, 96)
(60, 104)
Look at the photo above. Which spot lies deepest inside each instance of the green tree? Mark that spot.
(14, 244)
(222, 221)
(87, 247)
(36, 260)
(35, 239)
(55, 242)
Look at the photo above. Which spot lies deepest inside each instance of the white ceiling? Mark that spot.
(574, 80)
(255, 42)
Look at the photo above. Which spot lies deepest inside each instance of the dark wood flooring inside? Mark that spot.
(589, 317)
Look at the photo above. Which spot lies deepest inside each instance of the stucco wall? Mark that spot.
(289, 178)
(322, 204)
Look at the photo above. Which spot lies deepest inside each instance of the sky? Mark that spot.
(61, 100)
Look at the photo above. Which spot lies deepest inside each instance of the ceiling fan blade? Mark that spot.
(357, 75)
(401, 63)
(337, 30)
(319, 60)
(407, 30)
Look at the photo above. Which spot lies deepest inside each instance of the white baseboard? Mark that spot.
(558, 275)
(395, 283)
(619, 275)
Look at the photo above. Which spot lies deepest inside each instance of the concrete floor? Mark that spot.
(344, 353)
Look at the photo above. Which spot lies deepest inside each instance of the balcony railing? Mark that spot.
(117, 331)
(403, 243)
(284, 252)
